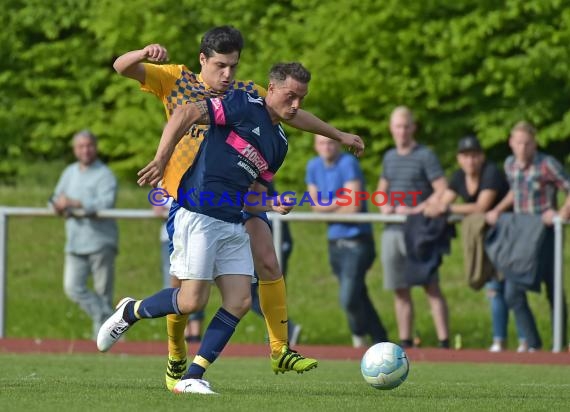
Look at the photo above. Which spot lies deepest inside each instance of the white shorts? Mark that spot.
(205, 247)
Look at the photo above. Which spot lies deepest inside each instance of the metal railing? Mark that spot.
(557, 335)
(277, 220)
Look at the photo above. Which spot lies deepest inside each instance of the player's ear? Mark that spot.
(203, 59)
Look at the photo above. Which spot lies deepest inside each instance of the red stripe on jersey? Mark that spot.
(219, 115)
(250, 153)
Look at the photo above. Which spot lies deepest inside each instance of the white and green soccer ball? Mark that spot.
(385, 366)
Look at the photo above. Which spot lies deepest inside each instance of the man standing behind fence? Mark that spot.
(534, 178)
(91, 244)
(407, 168)
(351, 245)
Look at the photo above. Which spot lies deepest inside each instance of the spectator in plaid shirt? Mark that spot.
(535, 178)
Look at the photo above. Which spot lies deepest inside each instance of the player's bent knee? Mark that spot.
(190, 302)
(238, 307)
(267, 267)
(187, 308)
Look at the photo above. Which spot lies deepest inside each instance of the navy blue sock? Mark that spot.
(219, 332)
(156, 306)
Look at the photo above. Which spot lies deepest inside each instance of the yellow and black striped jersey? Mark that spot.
(176, 85)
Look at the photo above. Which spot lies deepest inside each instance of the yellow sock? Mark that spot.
(203, 362)
(175, 325)
(273, 302)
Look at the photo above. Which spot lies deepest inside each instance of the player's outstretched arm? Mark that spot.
(180, 122)
(130, 64)
(310, 123)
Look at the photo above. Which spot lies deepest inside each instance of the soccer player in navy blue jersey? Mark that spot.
(176, 85)
(243, 149)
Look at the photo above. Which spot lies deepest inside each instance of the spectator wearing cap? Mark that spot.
(481, 185)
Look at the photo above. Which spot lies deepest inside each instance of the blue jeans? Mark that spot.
(500, 311)
(515, 294)
(350, 259)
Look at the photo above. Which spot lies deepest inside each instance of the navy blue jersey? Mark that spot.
(242, 145)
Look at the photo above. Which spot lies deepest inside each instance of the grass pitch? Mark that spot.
(114, 382)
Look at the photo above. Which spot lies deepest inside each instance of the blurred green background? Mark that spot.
(462, 66)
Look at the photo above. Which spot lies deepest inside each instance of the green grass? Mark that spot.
(110, 382)
(38, 308)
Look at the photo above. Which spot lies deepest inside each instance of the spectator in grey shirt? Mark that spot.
(410, 167)
(91, 243)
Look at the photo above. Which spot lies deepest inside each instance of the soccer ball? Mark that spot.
(385, 366)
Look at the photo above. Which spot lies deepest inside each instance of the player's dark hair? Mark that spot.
(280, 71)
(223, 40)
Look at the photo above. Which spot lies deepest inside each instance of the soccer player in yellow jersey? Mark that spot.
(175, 85)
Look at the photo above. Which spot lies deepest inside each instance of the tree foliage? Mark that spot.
(462, 66)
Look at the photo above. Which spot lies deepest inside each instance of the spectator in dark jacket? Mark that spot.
(534, 179)
(481, 186)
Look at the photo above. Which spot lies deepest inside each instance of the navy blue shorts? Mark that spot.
(245, 216)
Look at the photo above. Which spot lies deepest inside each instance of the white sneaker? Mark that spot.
(496, 347)
(114, 327)
(359, 341)
(294, 338)
(523, 347)
(193, 386)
